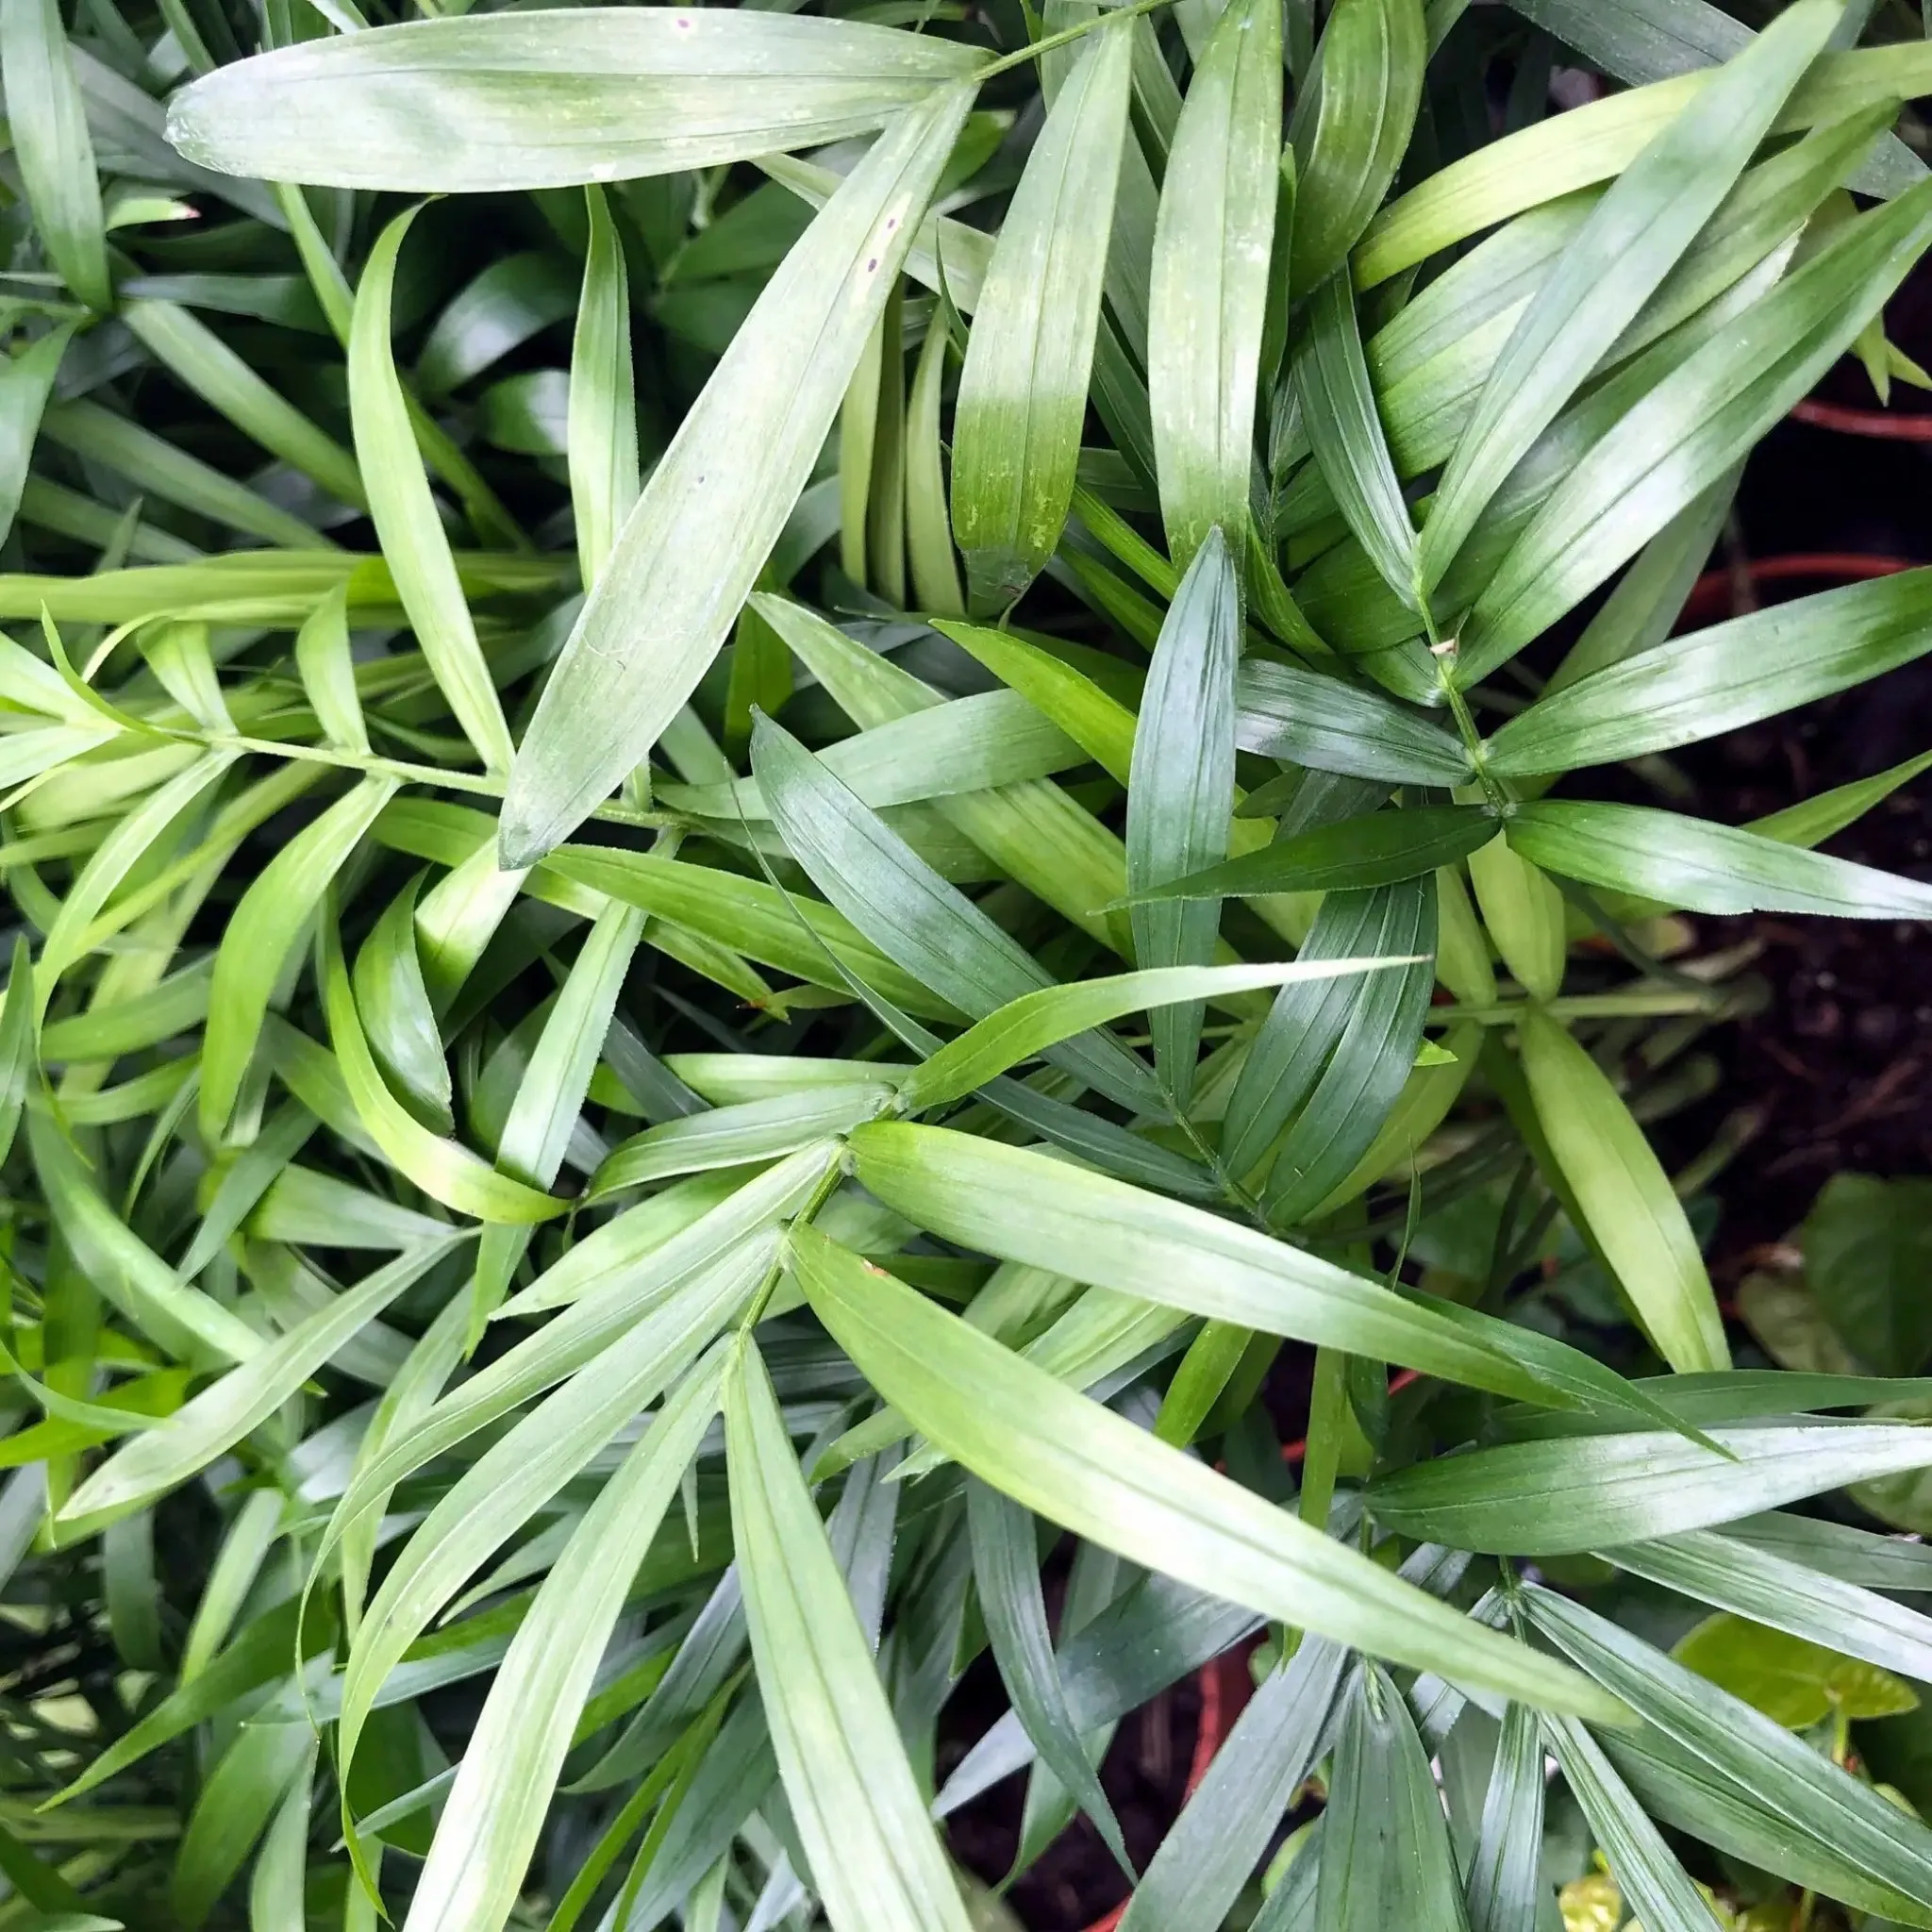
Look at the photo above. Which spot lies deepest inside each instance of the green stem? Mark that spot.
(480, 784)
(1231, 1188)
(1019, 58)
(1327, 1414)
(828, 1184)
(1444, 651)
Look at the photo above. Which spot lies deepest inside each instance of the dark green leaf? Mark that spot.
(1379, 850)
(1351, 128)
(1345, 432)
(1005, 1576)
(1385, 1842)
(1022, 395)
(1181, 789)
(1332, 725)
(1716, 680)
(1226, 1824)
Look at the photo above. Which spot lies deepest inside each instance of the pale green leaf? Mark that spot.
(693, 546)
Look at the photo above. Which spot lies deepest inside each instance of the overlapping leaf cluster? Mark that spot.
(596, 781)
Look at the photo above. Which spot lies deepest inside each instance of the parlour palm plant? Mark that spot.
(752, 869)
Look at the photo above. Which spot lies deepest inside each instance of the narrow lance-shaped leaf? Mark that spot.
(1365, 1077)
(405, 514)
(602, 443)
(550, 1097)
(276, 1887)
(1006, 1572)
(1506, 1889)
(884, 536)
(1700, 867)
(1022, 396)
(925, 925)
(1181, 789)
(398, 1020)
(496, 1808)
(163, 471)
(445, 1170)
(1646, 1870)
(748, 915)
(1080, 1464)
(1643, 608)
(1152, 1637)
(1634, 1216)
(328, 671)
(1524, 915)
(188, 1324)
(1558, 155)
(1767, 1588)
(928, 528)
(1023, 1205)
(1715, 680)
(1379, 850)
(969, 744)
(195, 356)
(1212, 1850)
(1352, 123)
(112, 859)
(1095, 720)
(1027, 1025)
(26, 380)
(731, 1136)
(1386, 1857)
(262, 931)
(1210, 280)
(1652, 42)
(507, 304)
(497, 102)
(693, 544)
(19, 1018)
(859, 423)
(875, 1859)
(231, 1810)
(1346, 435)
(1331, 726)
(1691, 427)
(47, 117)
(1534, 1499)
(1799, 1811)
(1633, 238)
(221, 1415)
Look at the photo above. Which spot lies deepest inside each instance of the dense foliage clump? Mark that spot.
(786, 790)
